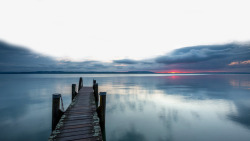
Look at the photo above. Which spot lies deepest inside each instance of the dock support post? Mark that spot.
(73, 91)
(56, 112)
(94, 82)
(101, 109)
(80, 84)
(96, 93)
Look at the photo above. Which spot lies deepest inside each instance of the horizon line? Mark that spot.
(116, 72)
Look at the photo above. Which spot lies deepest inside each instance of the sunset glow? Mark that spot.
(183, 71)
(176, 71)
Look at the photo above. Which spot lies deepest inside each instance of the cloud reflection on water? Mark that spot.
(179, 108)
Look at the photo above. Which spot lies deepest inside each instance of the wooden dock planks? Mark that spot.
(80, 121)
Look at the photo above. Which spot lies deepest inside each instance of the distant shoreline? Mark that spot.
(130, 72)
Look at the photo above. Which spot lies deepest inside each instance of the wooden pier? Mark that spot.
(83, 120)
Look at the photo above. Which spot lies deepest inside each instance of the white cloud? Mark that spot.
(132, 29)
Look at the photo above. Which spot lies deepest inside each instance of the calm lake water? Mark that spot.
(148, 107)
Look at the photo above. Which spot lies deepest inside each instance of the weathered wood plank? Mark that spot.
(76, 129)
(78, 137)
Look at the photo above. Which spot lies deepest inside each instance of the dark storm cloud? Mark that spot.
(209, 57)
(125, 61)
(15, 58)
(205, 53)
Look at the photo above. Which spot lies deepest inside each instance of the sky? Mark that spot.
(233, 57)
(131, 35)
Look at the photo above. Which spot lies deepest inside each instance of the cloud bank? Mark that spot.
(209, 57)
(125, 61)
(234, 57)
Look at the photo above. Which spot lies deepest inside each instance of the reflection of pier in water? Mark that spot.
(83, 120)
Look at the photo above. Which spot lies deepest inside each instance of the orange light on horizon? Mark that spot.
(179, 71)
(175, 71)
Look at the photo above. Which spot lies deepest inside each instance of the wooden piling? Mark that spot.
(80, 83)
(56, 112)
(94, 82)
(102, 109)
(96, 93)
(73, 91)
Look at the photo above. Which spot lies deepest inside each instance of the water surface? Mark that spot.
(139, 107)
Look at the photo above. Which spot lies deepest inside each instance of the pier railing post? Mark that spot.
(73, 91)
(102, 108)
(56, 112)
(80, 84)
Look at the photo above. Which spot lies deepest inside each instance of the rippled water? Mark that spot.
(139, 107)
